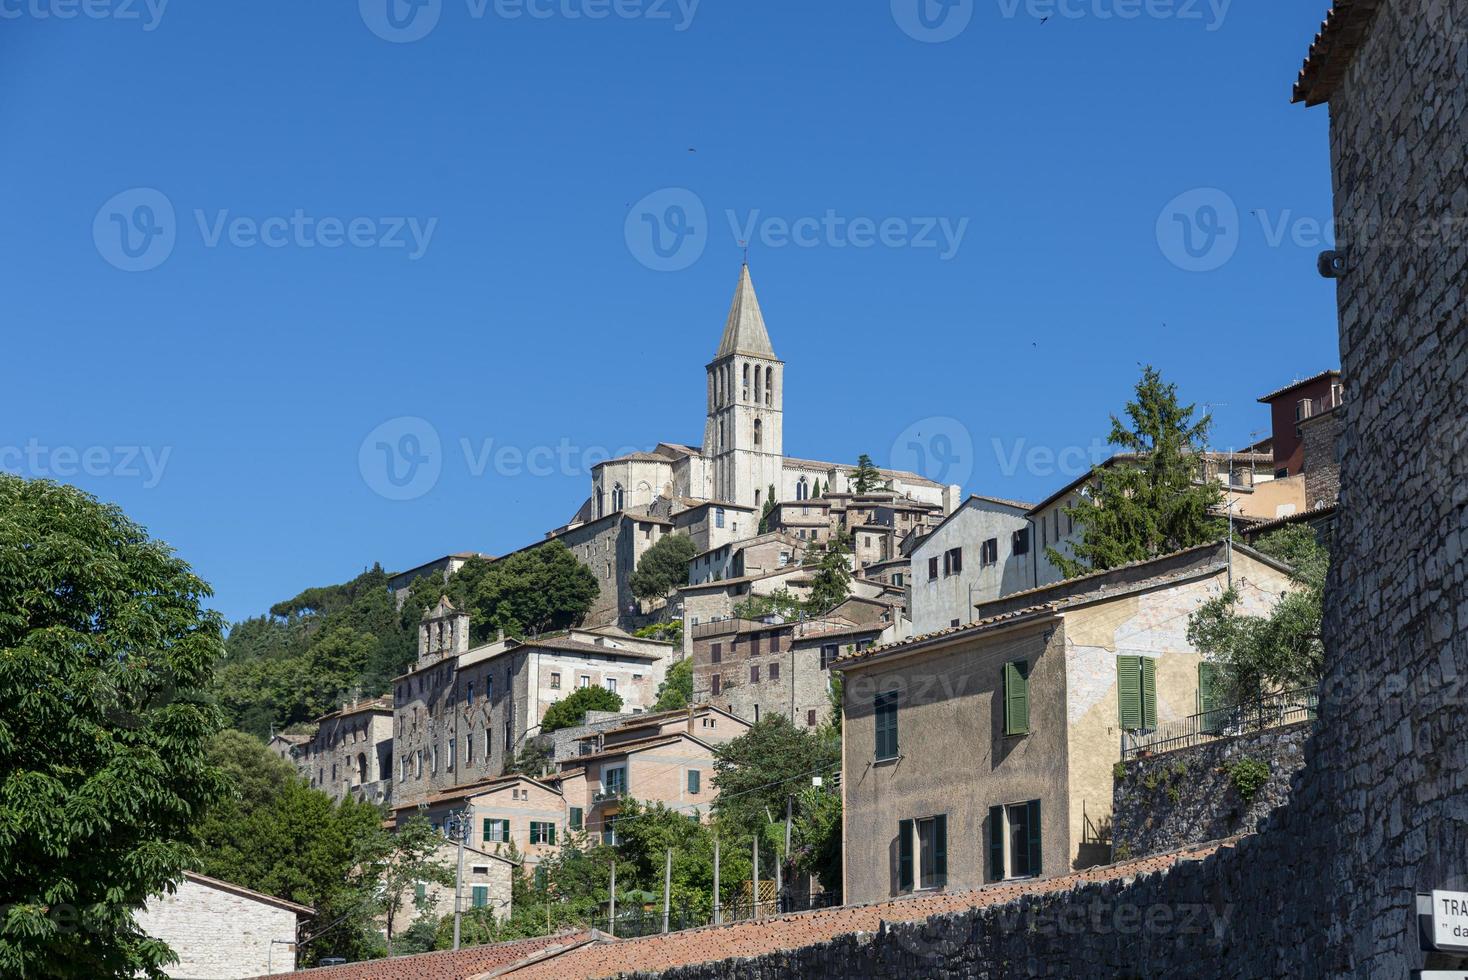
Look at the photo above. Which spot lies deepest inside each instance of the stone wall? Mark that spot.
(1320, 436)
(219, 934)
(1171, 800)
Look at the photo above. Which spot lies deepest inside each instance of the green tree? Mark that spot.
(816, 835)
(1151, 501)
(831, 583)
(534, 758)
(276, 834)
(663, 567)
(105, 651)
(527, 593)
(866, 477)
(412, 856)
(756, 771)
(1280, 651)
(572, 710)
(781, 602)
(676, 690)
(768, 511)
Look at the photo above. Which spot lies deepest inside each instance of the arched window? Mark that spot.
(757, 389)
(745, 396)
(802, 489)
(601, 501)
(361, 768)
(769, 386)
(718, 517)
(618, 497)
(758, 431)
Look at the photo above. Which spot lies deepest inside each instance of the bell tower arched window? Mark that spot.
(618, 497)
(769, 386)
(744, 395)
(757, 389)
(758, 432)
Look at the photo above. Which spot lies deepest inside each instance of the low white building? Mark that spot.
(222, 931)
(982, 551)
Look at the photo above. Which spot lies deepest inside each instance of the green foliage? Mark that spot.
(768, 511)
(411, 856)
(314, 651)
(831, 583)
(866, 477)
(676, 690)
(276, 834)
(571, 711)
(835, 695)
(816, 835)
(105, 651)
(663, 567)
(781, 602)
(534, 759)
(756, 771)
(670, 631)
(1283, 650)
(1118, 771)
(527, 593)
(1155, 504)
(1248, 777)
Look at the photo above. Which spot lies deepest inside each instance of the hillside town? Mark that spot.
(1189, 712)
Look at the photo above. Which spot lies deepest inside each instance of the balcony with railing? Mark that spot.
(1271, 711)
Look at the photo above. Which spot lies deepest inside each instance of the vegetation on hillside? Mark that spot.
(662, 568)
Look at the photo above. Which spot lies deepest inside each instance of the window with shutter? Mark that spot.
(575, 817)
(996, 843)
(1149, 693)
(1017, 698)
(1209, 698)
(904, 855)
(1032, 821)
(940, 850)
(1129, 691)
(886, 725)
(481, 896)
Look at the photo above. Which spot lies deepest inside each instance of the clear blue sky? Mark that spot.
(527, 311)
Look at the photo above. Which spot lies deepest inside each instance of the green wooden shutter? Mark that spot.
(1032, 817)
(996, 843)
(1017, 698)
(1149, 692)
(481, 896)
(1210, 683)
(575, 818)
(940, 849)
(904, 855)
(1129, 691)
(486, 834)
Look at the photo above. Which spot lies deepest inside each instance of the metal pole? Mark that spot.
(459, 829)
(789, 815)
(612, 918)
(718, 912)
(667, 887)
(754, 894)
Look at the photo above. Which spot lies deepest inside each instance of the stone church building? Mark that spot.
(714, 492)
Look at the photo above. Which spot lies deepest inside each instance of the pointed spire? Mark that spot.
(745, 332)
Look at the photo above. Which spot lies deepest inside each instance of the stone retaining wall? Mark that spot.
(1188, 796)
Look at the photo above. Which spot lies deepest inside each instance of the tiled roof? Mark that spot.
(474, 789)
(1297, 383)
(383, 703)
(977, 626)
(1019, 504)
(1323, 510)
(628, 748)
(250, 893)
(447, 964)
(1330, 55)
(715, 943)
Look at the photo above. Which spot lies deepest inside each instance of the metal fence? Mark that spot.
(636, 921)
(1272, 711)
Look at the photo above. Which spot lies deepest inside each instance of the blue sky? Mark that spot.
(241, 237)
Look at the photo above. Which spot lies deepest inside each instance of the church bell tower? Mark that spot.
(744, 436)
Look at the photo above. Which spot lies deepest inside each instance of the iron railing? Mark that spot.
(1271, 711)
(637, 921)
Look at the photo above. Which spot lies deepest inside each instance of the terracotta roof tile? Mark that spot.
(1330, 55)
(714, 943)
(444, 965)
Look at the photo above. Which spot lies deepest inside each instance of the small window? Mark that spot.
(611, 683)
(716, 683)
(542, 832)
(1015, 849)
(932, 568)
(555, 681)
(1017, 698)
(1019, 542)
(886, 718)
(989, 552)
(774, 672)
(495, 831)
(695, 778)
(716, 653)
(829, 652)
(1136, 692)
(810, 718)
(922, 853)
(481, 896)
(753, 679)
(469, 697)
(584, 680)
(575, 817)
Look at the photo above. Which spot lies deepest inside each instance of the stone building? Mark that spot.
(757, 555)
(666, 758)
(507, 815)
(222, 931)
(979, 552)
(984, 752)
(351, 752)
(445, 566)
(1291, 405)
(485, 883)
(462, 714)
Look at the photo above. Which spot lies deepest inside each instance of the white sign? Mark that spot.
(1450, 920)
